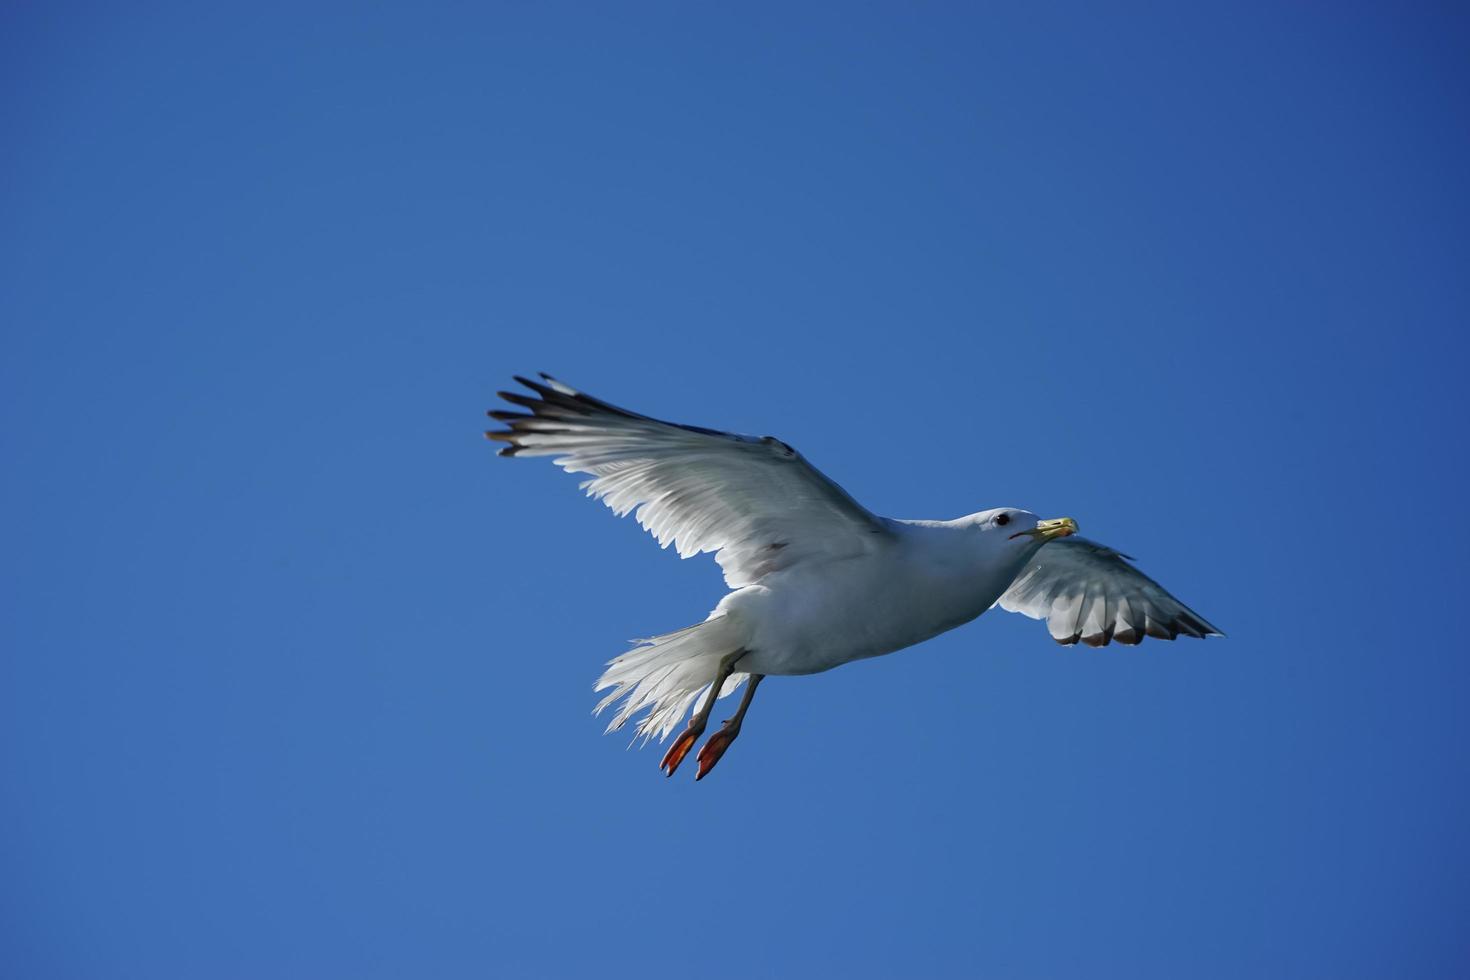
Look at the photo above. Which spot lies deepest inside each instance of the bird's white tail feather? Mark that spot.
(668, 674)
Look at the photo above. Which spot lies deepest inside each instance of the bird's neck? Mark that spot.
(955, 570)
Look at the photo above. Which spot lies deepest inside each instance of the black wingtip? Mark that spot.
(525, 401)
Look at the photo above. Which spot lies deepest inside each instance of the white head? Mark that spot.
(1017, 534)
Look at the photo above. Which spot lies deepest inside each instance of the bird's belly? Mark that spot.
(807, 624)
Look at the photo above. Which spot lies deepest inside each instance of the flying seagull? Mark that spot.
(816, 579)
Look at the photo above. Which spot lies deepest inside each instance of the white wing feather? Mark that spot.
(755, 502)
(1089, 592)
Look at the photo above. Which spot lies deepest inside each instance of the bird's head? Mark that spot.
(1010, 530)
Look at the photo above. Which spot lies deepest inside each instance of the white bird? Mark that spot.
(816, 579)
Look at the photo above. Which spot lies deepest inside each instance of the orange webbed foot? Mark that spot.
(714, 749)
(676, 753)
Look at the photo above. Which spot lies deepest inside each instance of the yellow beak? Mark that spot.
(1061, 527)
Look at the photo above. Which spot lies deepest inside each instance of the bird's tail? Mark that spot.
(667, 674)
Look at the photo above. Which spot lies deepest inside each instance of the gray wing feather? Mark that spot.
(1090, 593)
(755, 502)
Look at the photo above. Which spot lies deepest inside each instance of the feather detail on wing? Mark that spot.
(1089, 592)
(754, 501)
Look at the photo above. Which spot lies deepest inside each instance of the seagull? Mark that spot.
(816, 580)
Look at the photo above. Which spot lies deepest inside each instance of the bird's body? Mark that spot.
(817, 580)
(920, 580)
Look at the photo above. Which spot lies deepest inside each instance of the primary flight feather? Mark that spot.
(817, 580)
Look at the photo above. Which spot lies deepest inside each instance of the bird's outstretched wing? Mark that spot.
(1089, 592)
(754, 501)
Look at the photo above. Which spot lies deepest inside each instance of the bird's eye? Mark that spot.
(1001, 520)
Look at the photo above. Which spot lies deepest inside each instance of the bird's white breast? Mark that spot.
(926, 580)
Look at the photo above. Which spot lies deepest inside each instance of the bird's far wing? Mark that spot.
(754, 501)
(1086, 591)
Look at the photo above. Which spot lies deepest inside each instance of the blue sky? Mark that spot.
(297, 674)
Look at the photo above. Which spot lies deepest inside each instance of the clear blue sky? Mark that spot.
(296, 673)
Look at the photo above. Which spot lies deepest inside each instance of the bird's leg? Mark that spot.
(720, 740)
(686, 739)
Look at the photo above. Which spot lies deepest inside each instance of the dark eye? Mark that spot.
(1001, 520)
